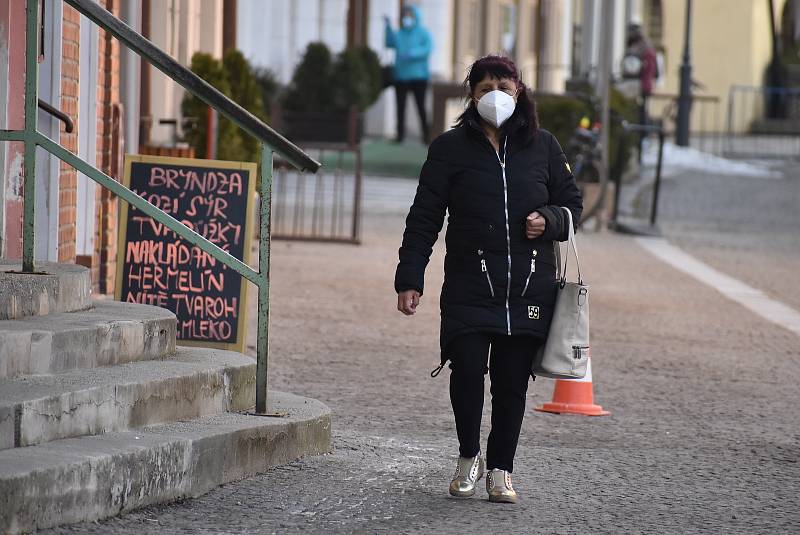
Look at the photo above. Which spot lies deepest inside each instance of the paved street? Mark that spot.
(703, 435)
(744, 226)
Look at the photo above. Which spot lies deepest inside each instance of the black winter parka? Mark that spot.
(496, 279)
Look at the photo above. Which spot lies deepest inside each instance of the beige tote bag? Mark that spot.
(566, 352)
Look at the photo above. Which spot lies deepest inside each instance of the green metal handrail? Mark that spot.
(271, 142)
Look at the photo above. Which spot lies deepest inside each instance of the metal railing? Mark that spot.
(271, 142)
(763, 122)
(327, 208)
(706, 127)
(635, 227)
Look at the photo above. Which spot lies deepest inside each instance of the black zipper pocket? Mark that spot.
(486, 272)
(530, 274)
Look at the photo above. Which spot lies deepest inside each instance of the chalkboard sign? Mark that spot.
(155, 266)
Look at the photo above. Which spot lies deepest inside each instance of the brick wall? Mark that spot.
(68, 179)
(109, 129)
(103, 260)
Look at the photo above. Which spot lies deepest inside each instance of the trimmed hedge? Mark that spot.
(322, 83)
(234, 77)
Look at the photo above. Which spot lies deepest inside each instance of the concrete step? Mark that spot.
(195, 382)
(109, 333)
(53, 288)
(89, 478)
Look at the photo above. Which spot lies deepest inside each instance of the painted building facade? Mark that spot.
(734, 53)
(115, 102)
(79, 74)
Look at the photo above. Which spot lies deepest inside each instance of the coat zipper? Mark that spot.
(486, 272)
(508, 231)
(533, 270)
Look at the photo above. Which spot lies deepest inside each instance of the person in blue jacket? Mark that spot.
(412, 44)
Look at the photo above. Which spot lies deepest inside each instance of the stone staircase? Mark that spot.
(100, 413)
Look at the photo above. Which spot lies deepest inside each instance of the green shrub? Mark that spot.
(323, 84)
(356, 79)
(620, 143)
(310, 88)
(233, 77)
(270, 86)
(560, 115)
(193, 109)
(246, 92)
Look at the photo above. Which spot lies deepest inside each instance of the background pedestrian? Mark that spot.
(412, 44)
(639, 72)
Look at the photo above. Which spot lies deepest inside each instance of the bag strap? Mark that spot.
(561, 273)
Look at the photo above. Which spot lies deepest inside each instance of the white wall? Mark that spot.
(87, 137)
(47, 166)
(276, 36)
(437, 16)
(380, 120)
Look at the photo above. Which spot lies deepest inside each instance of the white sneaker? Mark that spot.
(498, 485)
(469, 470)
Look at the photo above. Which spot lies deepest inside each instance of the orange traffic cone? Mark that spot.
(574, 396)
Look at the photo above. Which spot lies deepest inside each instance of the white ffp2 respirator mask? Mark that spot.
(496, 107)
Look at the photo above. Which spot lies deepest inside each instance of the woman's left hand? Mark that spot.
(534, 225)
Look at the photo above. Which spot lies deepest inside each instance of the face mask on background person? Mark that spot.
(408, 21)
(496, 107)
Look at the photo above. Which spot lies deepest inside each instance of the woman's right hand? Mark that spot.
(535, 224)
(407, 302)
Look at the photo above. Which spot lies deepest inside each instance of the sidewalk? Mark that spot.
(702, 437)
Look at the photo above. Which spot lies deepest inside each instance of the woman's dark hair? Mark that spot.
(524, 122)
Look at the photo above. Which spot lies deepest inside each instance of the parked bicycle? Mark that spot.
(584, 152)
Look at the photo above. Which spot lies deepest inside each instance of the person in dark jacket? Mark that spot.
(412, 44)
(503, 181)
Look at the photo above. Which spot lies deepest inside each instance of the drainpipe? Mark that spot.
(144, 118)
(229, 9)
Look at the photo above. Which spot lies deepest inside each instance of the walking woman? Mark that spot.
(503, 181)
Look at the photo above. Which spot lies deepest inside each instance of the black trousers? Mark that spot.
(509, 370)
(418, 88)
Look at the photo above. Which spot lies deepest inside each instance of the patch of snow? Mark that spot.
(680, 159)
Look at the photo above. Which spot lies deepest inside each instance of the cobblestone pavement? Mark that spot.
(704, 434)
